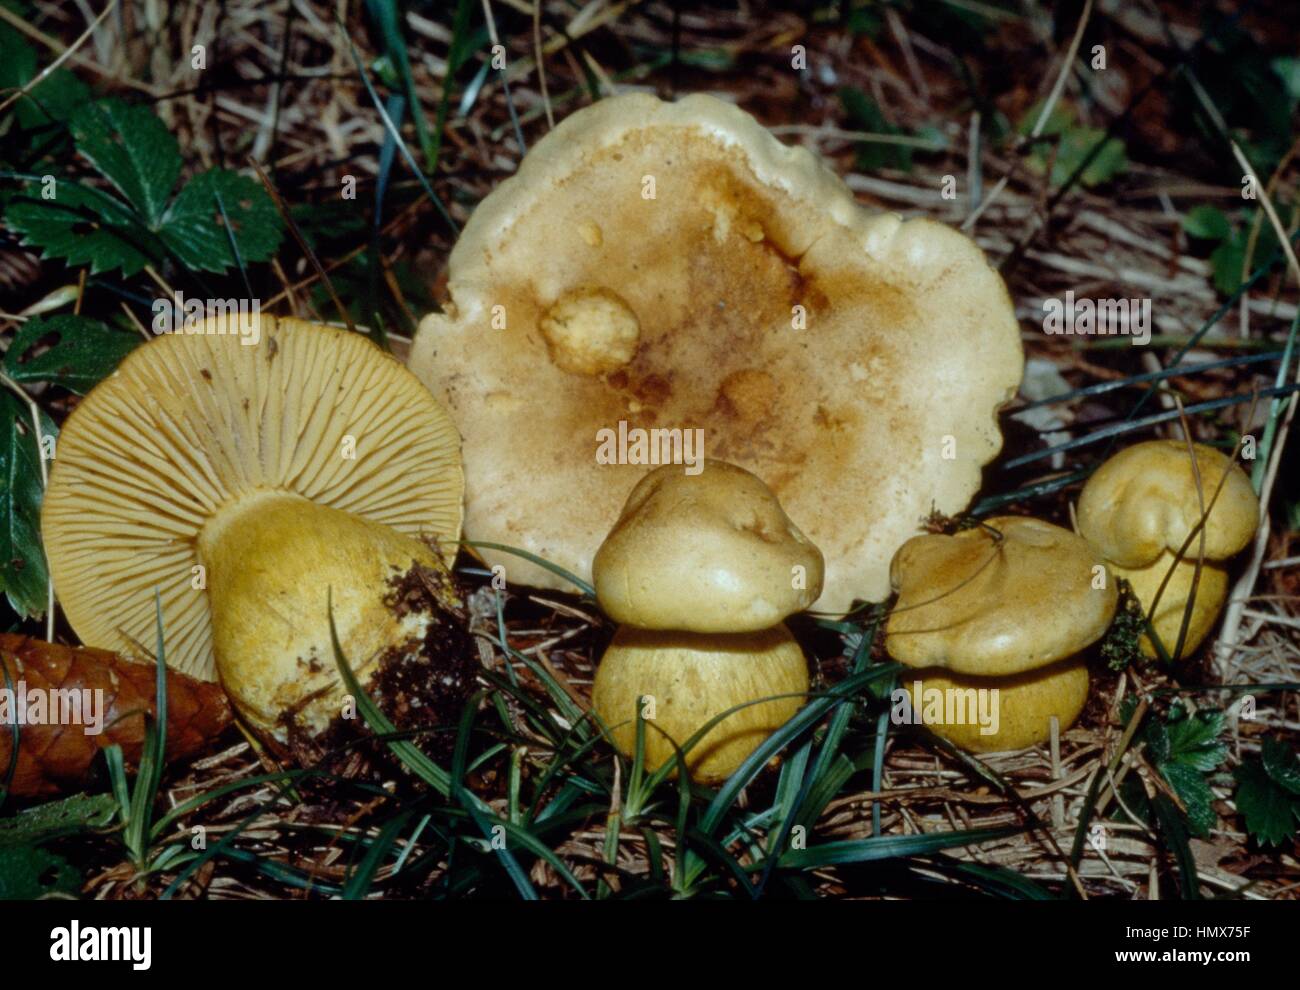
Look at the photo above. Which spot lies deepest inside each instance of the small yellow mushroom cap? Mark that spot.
(709, 552)
(1211, 593)
(1021, 709)
(1144, 501)
(976, 603)
(686, 679)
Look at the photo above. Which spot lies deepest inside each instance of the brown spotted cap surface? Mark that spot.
(673, 266)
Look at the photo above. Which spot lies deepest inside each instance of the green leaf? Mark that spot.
(58, 818)
(83, 226)
(23, 573)
(53, 99)
(133, 150)
(1281, 764)
(194, 229)
(82, 352)
(865, 115)
(1195, 794)
(1226, 261)
(1193, 741)
(1207, 222)
(1287, 68)
(1058, 121)
(1076, 144)
(29, 872)
(1157, 736)
(1271, 811)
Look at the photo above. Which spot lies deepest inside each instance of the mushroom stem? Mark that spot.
(273, 561)
(682, 680)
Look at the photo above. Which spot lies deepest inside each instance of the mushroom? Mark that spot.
(1141, 511)
(702, 569)
(655, 269)
(1006, 607)
(248, 484)
(1021, 705)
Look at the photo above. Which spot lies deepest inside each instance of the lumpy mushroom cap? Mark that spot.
(1025, 704)
(672, 266)
(691, 678)
(985, 604)
(706, 552)
(1144, 501)
(197, 422)
(1211, 593)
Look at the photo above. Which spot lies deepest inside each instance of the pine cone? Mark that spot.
(60, 757)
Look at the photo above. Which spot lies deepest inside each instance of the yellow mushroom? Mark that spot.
(247, 484)
(702, 569)
(994, 618)
(1138, 511)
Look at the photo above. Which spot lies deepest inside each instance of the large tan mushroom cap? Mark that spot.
(197, 423)
(853, 361)
(1144, 501)
(1021, 710)
(975, 604)
(691, 678)
(711, 552)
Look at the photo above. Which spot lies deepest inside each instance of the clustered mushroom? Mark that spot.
(653, 269)
(1142, 512)
(702, 570)
(1004, 608)
(248, 485)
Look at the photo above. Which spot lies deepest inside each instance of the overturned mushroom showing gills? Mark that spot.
(248, 484)
(703, 569)
(1006, 606)
(1141, 511)
(658, 268)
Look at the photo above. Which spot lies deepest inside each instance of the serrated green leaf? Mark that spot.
(193, 226)
(1193, 742)
(79, 352)
(1209, 223)
(132, 148)
(52, 100)
(1282, 765)
(1271, 811)
(82, 226)
(30, 872)
(1195, 794)
(1157, 736)
(57, 818)
(1135, 800)
(23, 574)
